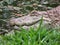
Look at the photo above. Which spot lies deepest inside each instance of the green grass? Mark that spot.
(42, 36)
(39, 36)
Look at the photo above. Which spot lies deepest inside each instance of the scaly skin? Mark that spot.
(49, 17)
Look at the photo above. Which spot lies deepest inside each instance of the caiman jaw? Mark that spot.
(27, 20)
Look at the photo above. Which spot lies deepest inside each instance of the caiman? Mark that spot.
(50, 17)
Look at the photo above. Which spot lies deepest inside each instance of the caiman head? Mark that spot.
(31, 19)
